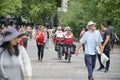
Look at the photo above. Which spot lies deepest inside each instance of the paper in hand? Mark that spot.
(98, 50)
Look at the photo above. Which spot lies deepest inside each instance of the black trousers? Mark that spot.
(107, 53)
(25, 42)
(40, 51)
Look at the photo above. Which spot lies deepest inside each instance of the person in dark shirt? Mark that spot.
(106, 45)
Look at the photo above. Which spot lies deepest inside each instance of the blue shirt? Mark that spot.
(91, 39)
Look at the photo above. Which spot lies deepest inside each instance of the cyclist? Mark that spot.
(58, 35)
(68, 38)
(58, 40)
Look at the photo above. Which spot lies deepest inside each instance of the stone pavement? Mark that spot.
(53, 69)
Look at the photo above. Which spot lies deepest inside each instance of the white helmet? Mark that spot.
(67, 28)
(59, 28)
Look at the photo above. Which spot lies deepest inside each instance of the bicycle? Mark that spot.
(59, 50)
(69, 49)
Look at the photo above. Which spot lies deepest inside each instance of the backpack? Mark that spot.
(112, 35)
(41, 38)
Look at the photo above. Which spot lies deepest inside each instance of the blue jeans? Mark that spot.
(90, 60)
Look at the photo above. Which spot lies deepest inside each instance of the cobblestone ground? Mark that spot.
(53, 69)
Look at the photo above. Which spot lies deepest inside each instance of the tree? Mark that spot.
(38, 11)
(82, 11)
(10, 7)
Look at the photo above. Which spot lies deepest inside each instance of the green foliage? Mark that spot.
(36, 11)
(10, 7)
(82, 11)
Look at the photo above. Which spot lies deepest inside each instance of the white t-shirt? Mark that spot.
(59, 34)
(68, 36)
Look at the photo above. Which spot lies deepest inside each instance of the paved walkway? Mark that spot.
(53, 69)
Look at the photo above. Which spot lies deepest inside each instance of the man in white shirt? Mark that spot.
(91, 39)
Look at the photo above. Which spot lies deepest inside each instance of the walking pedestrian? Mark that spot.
(53, 31)
(25, 38)
(91, 39)
(106, 46)
(41, 38)
(48, 35)
(2, 30)
(81, 34)
(13, 57)
(82, 31)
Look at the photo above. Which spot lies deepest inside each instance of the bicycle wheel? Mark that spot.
(60, 54)
(69, 55)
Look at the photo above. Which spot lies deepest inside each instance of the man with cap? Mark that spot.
(91, 39)
(13, 57)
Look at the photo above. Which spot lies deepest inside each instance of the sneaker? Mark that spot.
(38, 58)
(41, 61)
(100, 68)
(92, 78)
(106, 70)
